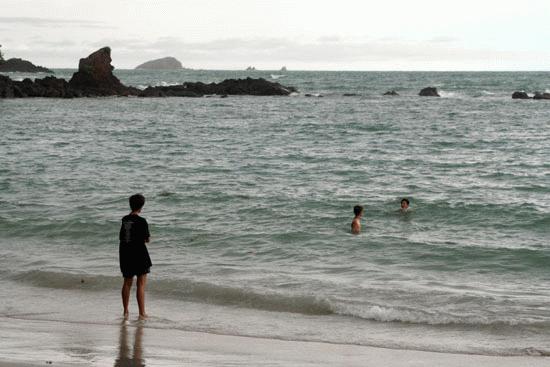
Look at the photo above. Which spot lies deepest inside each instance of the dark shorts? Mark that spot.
(131, 274)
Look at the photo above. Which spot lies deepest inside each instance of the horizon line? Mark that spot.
(336, 70)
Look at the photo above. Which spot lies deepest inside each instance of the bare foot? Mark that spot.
(125, 315)
(143, 316)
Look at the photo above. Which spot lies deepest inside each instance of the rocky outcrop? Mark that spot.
(6, 87)
(49, 87)
(429, 92)
(520, 95)
(524, 95)
(21, 66)
(248, 86)
(95, 77)
(392, 93)
(166, 63)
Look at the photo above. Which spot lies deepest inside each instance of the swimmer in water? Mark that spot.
(404, 205)
(356, 223)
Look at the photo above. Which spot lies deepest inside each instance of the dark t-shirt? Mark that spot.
(133, 254)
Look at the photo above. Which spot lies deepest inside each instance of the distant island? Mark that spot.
(20, 65)
(165, 63)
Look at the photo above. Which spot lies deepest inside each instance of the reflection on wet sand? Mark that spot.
(125, 359)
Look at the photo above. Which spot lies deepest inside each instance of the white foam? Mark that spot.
(454, 95)
(166, 84)
(398, 314)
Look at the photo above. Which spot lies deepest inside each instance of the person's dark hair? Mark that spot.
(358, 209)
(137, 201)
(405, 200)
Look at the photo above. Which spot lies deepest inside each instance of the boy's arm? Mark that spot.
(147, 234)
(120, 232)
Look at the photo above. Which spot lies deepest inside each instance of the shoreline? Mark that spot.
(38, 342)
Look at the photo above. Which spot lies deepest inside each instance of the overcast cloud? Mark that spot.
(343, 35)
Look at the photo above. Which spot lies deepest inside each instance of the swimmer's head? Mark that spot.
(404, 203)
(358, 210)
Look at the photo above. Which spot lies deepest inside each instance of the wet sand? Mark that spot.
(27, 343)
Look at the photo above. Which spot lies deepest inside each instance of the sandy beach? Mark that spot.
(26, 342)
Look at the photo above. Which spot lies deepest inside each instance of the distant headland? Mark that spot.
(19, 65)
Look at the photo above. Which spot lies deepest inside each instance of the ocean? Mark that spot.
(250, 200)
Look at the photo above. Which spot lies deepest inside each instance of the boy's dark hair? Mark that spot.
(136, 202)
(358, 209)
(405, 200)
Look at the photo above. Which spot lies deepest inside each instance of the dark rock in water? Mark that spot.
(539, 95)
(223, 96)
(166, 63)
(6, 87)
(95, 77)
(22, 66)
(520, 95)
(56, 88)
(350, 94)
(47, 87)
(392, 93)
(429, 92)
(248, 86)
(169, 91)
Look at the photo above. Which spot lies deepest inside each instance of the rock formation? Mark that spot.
(22, 66)
(429, 92)
(520, 95)
(392, 93)
(166, 63)
(95, 77)
(248, 86)
(539, 95)
(6, 87)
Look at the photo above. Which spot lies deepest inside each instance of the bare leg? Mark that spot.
(140, 294)
(126, 288)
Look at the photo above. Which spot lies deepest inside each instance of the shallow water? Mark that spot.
(249, 201)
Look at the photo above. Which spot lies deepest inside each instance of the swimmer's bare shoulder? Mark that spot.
(356, 226)
(356, 222)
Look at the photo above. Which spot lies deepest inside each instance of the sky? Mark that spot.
(299, 34)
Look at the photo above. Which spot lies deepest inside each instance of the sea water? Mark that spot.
(249, 203)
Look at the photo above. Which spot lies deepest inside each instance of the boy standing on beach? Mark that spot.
(356, 223)
(133, 254)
